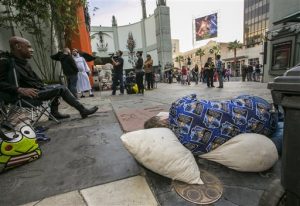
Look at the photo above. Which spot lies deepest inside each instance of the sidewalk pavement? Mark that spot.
(134, 185)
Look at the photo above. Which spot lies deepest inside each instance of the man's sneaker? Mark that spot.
(91, 95)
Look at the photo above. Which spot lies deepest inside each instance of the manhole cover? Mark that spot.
(210, 192)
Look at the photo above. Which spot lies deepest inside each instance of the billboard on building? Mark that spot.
(206, 27)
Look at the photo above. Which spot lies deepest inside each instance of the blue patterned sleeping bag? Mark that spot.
(203, 125)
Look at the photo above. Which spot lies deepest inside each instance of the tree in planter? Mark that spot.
(234, 46)
(39, 18)
(200, 52)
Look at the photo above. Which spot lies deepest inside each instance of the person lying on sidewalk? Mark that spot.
(29, 84)
(203, 125)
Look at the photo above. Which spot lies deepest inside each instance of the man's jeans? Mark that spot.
(220, 78)
(149, 79)
(117, 77)
(72, 83)
(56, 91)
(47, 93)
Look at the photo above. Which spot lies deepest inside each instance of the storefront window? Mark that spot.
(281, 56)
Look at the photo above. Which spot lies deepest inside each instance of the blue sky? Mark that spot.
(182, 13)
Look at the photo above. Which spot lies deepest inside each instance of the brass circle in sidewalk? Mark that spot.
(208, 193)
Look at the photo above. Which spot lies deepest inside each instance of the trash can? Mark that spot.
(285, 91)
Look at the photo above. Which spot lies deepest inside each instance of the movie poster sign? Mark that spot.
(206, 27)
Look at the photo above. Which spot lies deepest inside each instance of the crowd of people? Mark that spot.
(211, 72)
(142, 78)
(215, 71)
(252, 73)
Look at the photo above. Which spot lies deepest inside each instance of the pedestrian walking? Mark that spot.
(189, 76)
(170, 76)
(244, 70)
(219, 69)
(183, 75)
(227, 74)
(249, 72)
(202, 75)
(257, 72)
(196, 73)
(209, 69)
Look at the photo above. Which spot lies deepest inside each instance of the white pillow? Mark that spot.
(159, 150)
(247, 152)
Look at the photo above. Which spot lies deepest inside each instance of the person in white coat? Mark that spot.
(83, 82)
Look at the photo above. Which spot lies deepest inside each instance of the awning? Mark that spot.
(232, 58)
(295, 17)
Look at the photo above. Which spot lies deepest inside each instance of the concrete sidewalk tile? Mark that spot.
(132, 191)
(66, 199)
(134, 119)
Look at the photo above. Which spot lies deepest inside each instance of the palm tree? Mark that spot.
(200, 52)
(215, 50)
(179, 59)
(234, 46)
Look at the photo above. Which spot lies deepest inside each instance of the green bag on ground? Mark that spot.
(18, 147)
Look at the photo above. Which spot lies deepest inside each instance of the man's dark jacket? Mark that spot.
(67, 63)
(26, 77)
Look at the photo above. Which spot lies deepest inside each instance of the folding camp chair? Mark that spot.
(35, 108)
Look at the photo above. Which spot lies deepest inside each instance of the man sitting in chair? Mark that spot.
(29, 84)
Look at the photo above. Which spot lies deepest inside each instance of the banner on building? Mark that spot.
(206, 27)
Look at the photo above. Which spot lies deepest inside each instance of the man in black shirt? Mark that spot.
(249, 72)
(118, 73)
(69, 68)
(209, 69)
(29, 84)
